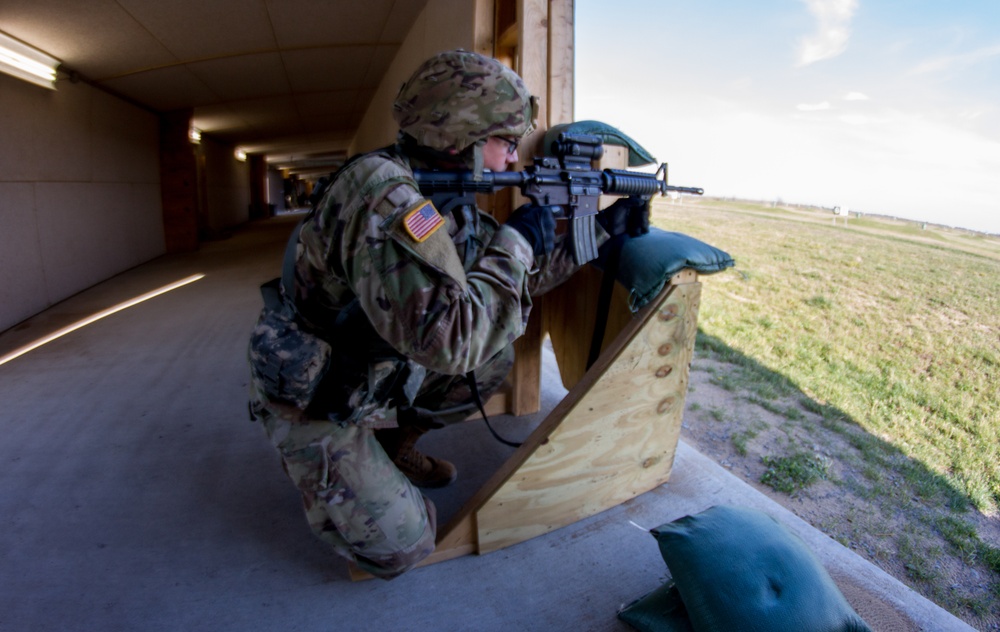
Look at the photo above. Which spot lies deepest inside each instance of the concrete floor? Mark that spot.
(136, 495)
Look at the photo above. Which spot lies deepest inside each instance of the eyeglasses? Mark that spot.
(511, 144)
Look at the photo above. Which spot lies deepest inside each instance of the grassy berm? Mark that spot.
(850, 368)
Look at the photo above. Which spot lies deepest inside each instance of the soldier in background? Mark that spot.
(395, 311)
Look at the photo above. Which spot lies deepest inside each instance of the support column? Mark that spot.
(258, 187)
(178, 182)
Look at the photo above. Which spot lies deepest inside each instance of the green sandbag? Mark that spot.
(739, 569)
(647, 262)
(660, 610)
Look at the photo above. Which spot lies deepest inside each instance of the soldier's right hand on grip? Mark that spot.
(538, 225)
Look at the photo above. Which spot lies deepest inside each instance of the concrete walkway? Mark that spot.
(136, 495)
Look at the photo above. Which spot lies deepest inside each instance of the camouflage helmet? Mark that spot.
(456, 99)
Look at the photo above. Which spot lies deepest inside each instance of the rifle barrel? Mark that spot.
(621, 182)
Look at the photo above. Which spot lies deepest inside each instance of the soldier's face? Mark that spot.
(499, 152)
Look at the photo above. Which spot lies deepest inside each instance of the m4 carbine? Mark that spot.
(564, 180)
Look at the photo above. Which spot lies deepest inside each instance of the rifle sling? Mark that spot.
(604, 298)
(470, 377)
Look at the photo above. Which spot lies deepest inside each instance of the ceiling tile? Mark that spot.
(339, 103)
(164, 89)
(400, 20)
(269, 111)
(195, 29)
(322, 70)
(306, 23)
(344, 122)
(244, 77)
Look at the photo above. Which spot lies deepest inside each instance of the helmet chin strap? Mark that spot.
(441, 160)
(478, 159)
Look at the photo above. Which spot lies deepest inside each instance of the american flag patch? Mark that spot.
(422, 221)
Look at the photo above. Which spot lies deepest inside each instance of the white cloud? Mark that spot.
(855, 96)
(813, 107)
(855, 119)
(971, 115)
(833, 30)
(946, 62)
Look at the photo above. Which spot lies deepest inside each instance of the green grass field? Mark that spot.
(890, 332)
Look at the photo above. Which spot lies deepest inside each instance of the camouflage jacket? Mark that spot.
(444, 293)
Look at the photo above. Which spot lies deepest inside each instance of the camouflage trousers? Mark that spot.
(355, 499)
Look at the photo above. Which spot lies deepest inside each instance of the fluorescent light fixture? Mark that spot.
(195, 135)
(24, 62)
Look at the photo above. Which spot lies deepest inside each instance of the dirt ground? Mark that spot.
(717, 421)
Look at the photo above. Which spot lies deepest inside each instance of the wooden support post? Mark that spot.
(560, 86)
(526, 376)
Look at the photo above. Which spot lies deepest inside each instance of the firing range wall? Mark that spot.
(79, 192)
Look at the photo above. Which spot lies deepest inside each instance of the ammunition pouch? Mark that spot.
(344, 375)
(286, 361)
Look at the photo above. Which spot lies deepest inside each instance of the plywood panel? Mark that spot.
(613, 439)
(571, 315)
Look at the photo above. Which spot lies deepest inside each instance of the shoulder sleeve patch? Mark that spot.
(422, 221)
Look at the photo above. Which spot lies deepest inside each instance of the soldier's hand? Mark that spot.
(538, 225)
(627, 216)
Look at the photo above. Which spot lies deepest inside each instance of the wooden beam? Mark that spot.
(533, 67)
(484, 31)
(526, 375)
(561, 68)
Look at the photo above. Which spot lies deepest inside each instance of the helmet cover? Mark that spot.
(458, 98)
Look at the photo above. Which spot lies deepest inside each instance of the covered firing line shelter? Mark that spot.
(140, 202)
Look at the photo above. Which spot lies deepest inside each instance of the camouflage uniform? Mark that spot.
(407, 311)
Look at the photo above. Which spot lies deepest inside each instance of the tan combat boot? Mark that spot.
(422, 470)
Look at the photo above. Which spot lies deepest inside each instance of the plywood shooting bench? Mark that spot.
(614, 435)
(610, 439)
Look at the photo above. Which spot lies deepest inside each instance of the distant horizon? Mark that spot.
(851, 103)
(853, 213)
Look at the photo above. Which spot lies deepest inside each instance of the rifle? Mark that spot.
(564, 180)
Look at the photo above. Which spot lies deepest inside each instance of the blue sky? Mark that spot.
(886, 107)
